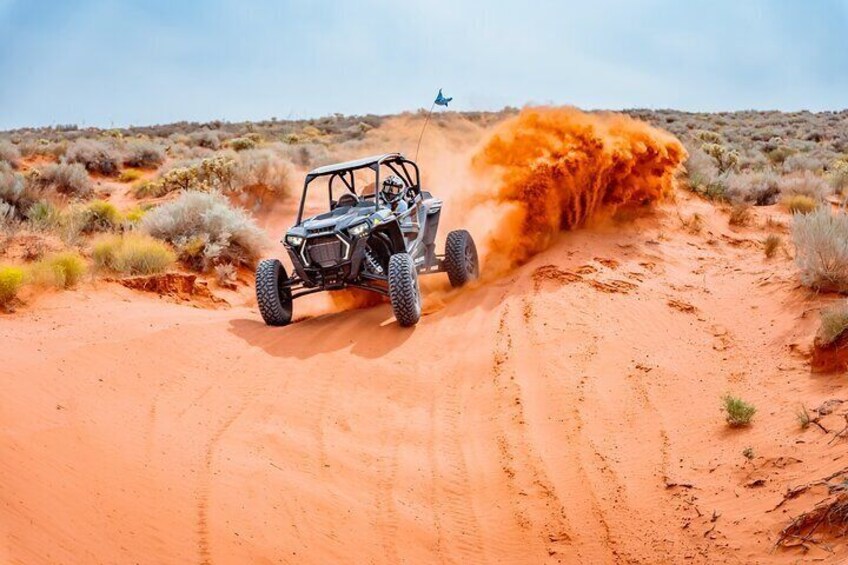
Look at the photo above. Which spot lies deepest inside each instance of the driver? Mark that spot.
(393, 191)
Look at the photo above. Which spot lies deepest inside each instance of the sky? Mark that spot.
(109, 63)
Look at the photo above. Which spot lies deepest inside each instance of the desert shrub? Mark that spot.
(205, 138)
(11, 184)
(737, 411)
(63, 270)
(11, 281)
(143, 154)
(9, 154)
(800, 204)
(242, 143)
(703, 175)
(43, 215)
(834, 323)
(100, 215)
(129, 175)
(821, 243)
(134, 215)
(226, 275)
(262, 169)
(65, 178)
(726, 159)
(771, 244)
(760, 189)
(740, 214)
(214, 173)
(8, 214)
(802, 162)
(95, 156)
(133, 254)
(838, 176)
(804, 183)
(206, 230)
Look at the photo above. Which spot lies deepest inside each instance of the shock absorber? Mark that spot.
(372, 262)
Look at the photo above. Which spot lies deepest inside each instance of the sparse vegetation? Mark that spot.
(132, 254)
(64, 178)
(9, 154)
(62, 270)
(803, 416)
(748, 453)
(821, 243)
(771, 244)
(129, 175)
(100, 215)
(737, 412)
(206, 230)
(834, 323)
(11, 281)
(242, 143)
(96, 156)
(800, 204)
(740, 215)
(143, 154)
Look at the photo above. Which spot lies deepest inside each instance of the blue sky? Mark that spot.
(100, 62)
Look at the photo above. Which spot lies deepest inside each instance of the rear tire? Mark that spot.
(461, 263)
(274, 299)
(404, 293)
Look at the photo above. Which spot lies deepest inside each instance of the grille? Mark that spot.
(326, 251)
(328, 229)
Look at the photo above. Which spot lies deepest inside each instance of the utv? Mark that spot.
(377, 236)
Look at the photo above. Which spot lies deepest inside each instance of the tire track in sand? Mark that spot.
(202, 507)
(537, 508)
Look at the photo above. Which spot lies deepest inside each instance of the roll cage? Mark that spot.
(344, 173)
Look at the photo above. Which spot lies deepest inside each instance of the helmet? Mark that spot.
(392, 187)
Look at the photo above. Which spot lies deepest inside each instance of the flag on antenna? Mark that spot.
(441, 100)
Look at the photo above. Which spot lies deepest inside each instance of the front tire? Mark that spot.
(274, 299)
(461, 263)
(404, 293)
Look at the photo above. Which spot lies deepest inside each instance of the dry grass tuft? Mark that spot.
(800, 204)
(11, 281)
(62, 270)
(740, 215)
(133, 254)
(772, 244)
(834, 323)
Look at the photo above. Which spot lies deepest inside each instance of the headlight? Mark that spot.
(294, 240)
(358, 229)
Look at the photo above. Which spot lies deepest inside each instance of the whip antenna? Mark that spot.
(440, 101)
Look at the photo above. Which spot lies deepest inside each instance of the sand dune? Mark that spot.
(566, 412)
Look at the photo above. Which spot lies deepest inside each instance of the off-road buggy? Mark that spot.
(370, 238)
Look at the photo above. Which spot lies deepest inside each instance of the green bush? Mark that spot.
(737, 411)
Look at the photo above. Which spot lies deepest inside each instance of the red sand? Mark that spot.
(567, 412)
